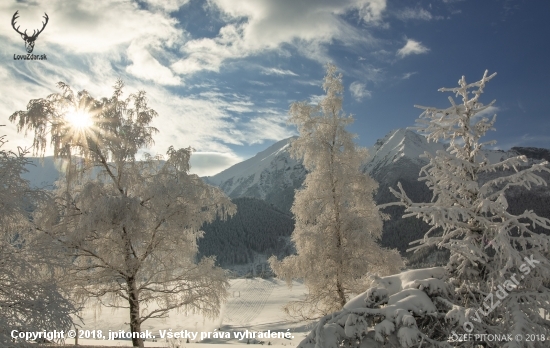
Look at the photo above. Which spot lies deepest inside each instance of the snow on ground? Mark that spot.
(253, 304)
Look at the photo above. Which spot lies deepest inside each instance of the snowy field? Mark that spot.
(253, 305)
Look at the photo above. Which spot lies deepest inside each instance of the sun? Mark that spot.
(79, 120)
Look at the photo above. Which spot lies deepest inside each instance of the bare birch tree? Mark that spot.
(30, 298)
(128, 226)
(337, 221)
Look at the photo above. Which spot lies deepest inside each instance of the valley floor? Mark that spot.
(253, 304)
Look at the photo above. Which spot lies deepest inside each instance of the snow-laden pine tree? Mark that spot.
(496, 284)
(499, 264)
(337, 222)
(30, 298)
(127, 228)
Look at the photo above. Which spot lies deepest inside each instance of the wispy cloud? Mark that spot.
(412, 47)
(489, 112)
(275, 71)
(414, 13)
(316, 99)
(310, 82)
(358, 91)
(267, 127)
(408, 75)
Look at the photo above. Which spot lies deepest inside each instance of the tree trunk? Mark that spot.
(339, 238)
(135, 324)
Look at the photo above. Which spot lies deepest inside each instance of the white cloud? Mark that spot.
(92, 26)
(275, 71)
(414, 13)
(371, 11)
(145, 66)
(211, 163)
(406, 76)
(489, 112)
(167, 5)
(308, 25)
(316, 99)
(267, 127)
(412, 47)
(358, 91)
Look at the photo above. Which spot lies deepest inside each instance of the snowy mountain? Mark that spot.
(42, 172)
(255, 165)
(396, 145)
(272, 175)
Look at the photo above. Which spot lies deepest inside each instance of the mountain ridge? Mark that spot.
(273, 176)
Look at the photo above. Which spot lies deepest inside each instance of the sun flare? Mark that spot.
(79, 120)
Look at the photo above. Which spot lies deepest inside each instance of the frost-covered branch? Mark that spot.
(31, 299)
(125, 229)
(337, 221)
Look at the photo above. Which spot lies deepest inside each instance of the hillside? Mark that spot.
(258, 230)
(392, 159)
(263, 188)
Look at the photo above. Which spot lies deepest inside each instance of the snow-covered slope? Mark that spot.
(255, 165)
(42, 172)
(406, 144)
(273, 171)
(271, 175)
(398, 144)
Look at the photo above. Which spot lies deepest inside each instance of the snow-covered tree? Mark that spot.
(337, 221)
(491, 249)
(497, 281)
(128, 227)
(30, 298)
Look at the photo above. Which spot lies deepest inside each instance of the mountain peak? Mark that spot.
(397, 144)
(261, 161)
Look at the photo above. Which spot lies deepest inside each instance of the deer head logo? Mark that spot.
(29, 40)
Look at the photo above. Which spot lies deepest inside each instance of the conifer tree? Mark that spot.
(337, 221)
(490, 247)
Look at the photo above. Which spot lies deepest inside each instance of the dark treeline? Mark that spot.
(257, 227)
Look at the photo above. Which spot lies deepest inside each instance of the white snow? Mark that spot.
(253, 305)
(390, 285)
(399, 143)
(254, 165)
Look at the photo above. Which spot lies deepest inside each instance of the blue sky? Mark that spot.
(222, 73)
